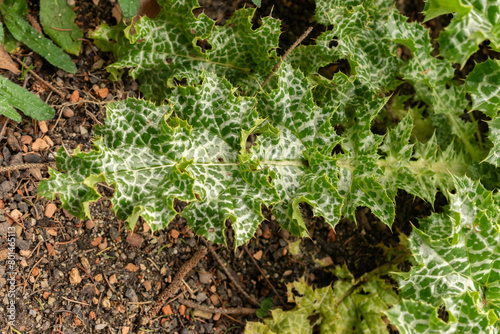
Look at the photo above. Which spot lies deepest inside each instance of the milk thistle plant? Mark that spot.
(210, 133)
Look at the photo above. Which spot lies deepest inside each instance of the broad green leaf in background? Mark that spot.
(458, 267)
(342, 308)
(13, 14)
(15, 96)
(473, 23)
(165, 48)
(129, 7)
(9, 112)
(58, 21)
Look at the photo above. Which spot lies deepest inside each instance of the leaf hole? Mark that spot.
(204, 45)
(341, 65)
(168, 61)
(334, 42)
(443, 314)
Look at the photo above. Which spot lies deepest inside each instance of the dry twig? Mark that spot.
(236, 310)
(228, 274)
(174, 286)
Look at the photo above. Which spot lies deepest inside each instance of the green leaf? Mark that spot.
(165, 49)
(266, 305)
(129, 7)
(483, 84)
(256, 2)
(494, 135)
(18, 97)
(473, 23)
(458, 264)
(58, 21)
(7, 110)
(422, 67)
(13, 13)
(343, 308)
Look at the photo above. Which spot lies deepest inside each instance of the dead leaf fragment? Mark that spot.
(135, 239)
(50, 209)
(74, 276)
(6, 62)
(52, 231)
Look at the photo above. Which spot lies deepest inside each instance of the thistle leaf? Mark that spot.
(457, 266)
(483, 84)
(165, 48)
(334, 309)
(473, 23)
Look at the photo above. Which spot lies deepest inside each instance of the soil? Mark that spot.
(94, 276)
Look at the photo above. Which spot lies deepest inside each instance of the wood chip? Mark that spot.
(43, 126)
(266, 234)
(96, 241)
(75, 96)
(182, 310)
(112, 279)
(98, 278)
(258, 255)
(103, 92)
(46, 295)
(39, 145)
(26, 140)
(125, 329)
(74, 276)
(216, 316)
(132, 267)
(23, 252)
(50, 209)
(174, 234)
(48, 141)
(167, 310)
(89, 224)
(52, 231)
(35, 272)
(51, 250)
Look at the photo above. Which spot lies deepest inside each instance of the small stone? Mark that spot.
(174, 233)
(135, 239)
(182, 309)
(50, 209)
(113, 233)
(32, 158)
(130, 294)
(96, 241)
(43, 126)
(71, 3)
(105, 303)
(85, 262)
(204, 277)
(98, 277)
(132, 267)
(214, 299)
(51, 301)
(99, 327)
(68, 113)
(201, 297)
(112, 279)
(74, 276)
(98, 64)
(83, 130)
(89, 224)
(202, 314)
(7, 186)
(147, 285)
